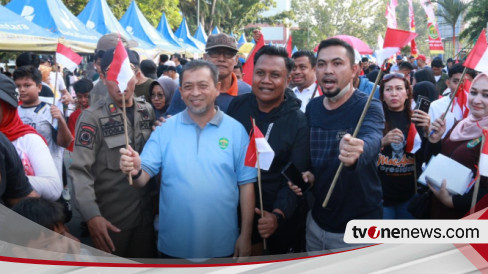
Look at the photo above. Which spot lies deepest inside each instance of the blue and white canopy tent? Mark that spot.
(215, 30)
(164, 30)
(18, 34)
(98, 16)
(200, 34)
(186, 39)
(242, 40)
(137, 25)
(54, 16)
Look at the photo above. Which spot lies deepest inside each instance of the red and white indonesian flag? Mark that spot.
(395, 39)
(390, 14)
(478, 57)
(120, 70)
(483, 165)
(67, 58)
(413, 140)
(258, 144)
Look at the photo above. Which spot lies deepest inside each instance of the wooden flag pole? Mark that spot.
(259, 185)
(125, 130)
(454, 93)
(477, 182)
(354, 135)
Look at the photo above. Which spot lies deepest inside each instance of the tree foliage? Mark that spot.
(319, 19)
(477, 18)
(403, 21)
(451, 11)
(227, 15)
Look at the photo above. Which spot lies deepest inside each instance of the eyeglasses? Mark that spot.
(156, 95)
(216, 53)
(393, 75)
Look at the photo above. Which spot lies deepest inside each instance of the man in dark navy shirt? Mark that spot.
(332, 120)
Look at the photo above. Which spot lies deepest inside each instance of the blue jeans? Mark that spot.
(398, 211)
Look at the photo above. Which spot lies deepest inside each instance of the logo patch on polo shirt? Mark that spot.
(474, 142)
(86, 135)
(223, 143)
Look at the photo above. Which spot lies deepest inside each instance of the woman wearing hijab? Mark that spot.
(161, 92)
(462, 144)
(426, 89)
(30, 145)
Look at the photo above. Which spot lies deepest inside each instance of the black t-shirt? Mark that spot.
(395, 165)
(13, 182)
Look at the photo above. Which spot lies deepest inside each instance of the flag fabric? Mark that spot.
(478, 57)
(258, 143)
(390, 14)
(395, 39)
(462, 97)
(248, 67)
(413, 140)
(483, 164)
(413, 45)
(289, 46)
(435, 41)
(120, 70)
(67, 58)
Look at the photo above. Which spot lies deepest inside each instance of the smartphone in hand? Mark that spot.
(423, 103)
(292, 174)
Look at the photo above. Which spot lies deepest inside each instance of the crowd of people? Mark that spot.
(188, 125)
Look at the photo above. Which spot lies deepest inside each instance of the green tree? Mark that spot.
(403, 21)
(227, 15)
(476, 18)
(451, 11)
(319, 19)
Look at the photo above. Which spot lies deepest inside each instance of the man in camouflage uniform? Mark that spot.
(119, 216)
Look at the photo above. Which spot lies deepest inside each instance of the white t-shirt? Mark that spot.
(39, 117)
(437, 109)
(45, 181)
(60, 83)
(305, 95)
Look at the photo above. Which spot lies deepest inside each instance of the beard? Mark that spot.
(337, 94)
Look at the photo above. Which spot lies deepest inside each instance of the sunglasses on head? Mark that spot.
(393, 75)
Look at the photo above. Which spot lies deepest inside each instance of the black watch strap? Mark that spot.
(279, 218)
(138, 175)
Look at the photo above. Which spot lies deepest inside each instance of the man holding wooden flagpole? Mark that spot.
(200, 153)
(119, 217)
(332, 120)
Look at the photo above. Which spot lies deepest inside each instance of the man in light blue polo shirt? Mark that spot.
(200, 153)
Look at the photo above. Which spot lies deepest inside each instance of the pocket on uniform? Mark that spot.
(114, 143)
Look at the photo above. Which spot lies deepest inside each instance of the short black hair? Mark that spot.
(46, 213)
(161, 69)
(437, 63)
(450, 60)
(198, 64)
(148, 68)
(28, 72)
(83, 86)
(275, 51)
(27, 58)
(338, 42)
(405, 65)
(311, 56)
(364, 59)
(456, 68)
(163, 58)
(238, 66)
(178, 56)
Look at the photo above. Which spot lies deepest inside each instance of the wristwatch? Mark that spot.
(279, 218)
(138, 175)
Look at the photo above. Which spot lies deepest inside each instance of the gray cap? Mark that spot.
(7, 91)
(109, 41)
(221, 40)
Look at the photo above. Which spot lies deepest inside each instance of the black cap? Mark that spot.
(7, 91)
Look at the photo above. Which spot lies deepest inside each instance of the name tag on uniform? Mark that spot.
(113, 125)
